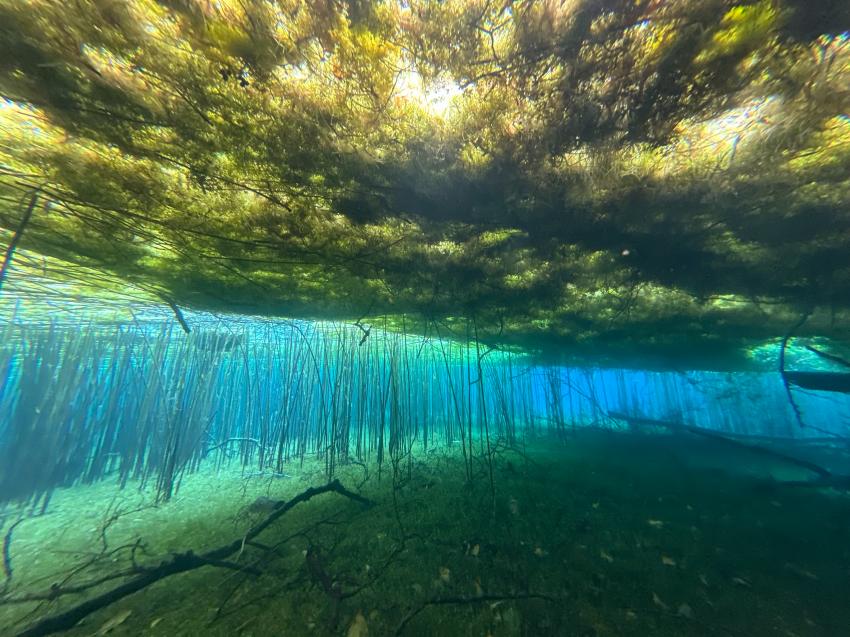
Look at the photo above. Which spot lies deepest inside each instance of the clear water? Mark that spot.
(511, 499)
(425, 317)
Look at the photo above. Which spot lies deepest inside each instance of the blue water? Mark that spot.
(499, 486)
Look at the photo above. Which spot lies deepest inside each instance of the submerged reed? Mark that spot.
(142, 399)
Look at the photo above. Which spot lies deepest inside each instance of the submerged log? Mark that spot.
(823, 474)
(821, 381)
(830, 357)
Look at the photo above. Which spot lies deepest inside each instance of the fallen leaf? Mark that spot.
(119, 619)
(358, 626)
(685, 611)
(740, 581)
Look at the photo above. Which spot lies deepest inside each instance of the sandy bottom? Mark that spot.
(600, 534)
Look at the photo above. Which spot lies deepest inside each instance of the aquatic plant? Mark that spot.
(619, 178)
(137, 398)
(313, 240)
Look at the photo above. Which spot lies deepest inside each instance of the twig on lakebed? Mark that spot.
(181, 563)
(463, 599)
(7, 551)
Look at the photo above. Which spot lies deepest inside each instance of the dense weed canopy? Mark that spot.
(628, 175)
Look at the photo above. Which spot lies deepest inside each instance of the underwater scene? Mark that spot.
(497, 318)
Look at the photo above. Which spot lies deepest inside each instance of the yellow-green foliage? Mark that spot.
(563, 172)
(743, 28)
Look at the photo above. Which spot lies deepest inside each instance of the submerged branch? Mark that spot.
(16, 238)
(461, 600)
(822, 473)
(181, 563)
(178, 314)
(829, 357)
(785, 380)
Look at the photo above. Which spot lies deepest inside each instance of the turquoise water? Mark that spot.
(505, 496)
(425, 317)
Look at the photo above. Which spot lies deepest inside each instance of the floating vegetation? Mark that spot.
(399, 317)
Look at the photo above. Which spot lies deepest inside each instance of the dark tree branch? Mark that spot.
(16, 238)
(463, 600)
(181, 563)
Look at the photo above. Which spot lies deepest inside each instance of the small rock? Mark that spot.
(668, 561)
(605, 556)
(656, 524)
(685, 611)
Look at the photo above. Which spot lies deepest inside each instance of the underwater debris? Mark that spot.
(827, 356)
(7, 552)
(262, 505)
(178, 314)
(821, 381)
(358, 626)
(802, 572)
(327, 583)
(9, 253)
(479, 590)
(142, 577)
(821, 472)
(657, 601)
(742, 582)
(685, 611)
(116, 621)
